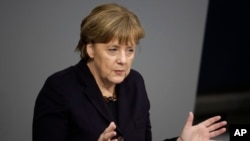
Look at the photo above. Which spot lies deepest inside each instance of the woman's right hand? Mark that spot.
(108, 133)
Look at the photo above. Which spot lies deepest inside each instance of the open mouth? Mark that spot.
(119, 72)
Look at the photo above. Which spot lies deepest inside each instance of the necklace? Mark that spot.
(109, 99)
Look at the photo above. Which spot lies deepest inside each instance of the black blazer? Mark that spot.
(70, 107)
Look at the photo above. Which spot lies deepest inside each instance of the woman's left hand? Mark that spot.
(203, 131)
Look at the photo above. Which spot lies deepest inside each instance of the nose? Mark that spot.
(122, 57)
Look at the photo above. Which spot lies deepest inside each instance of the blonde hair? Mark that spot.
(106, 23)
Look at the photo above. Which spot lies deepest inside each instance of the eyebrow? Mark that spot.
(118, 46)
(114, 45)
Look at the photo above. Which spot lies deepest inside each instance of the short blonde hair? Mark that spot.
(106, 23)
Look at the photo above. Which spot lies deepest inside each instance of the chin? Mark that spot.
(117, 80)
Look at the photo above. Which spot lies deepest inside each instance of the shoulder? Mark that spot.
(135, 75)
(62, 78)
(74, 77)
(135, 79)
(62, 74)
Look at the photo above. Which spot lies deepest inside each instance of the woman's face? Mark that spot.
(111, 62)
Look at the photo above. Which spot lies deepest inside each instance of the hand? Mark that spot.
(203, 131)
(108, 133)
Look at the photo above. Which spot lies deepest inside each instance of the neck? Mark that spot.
(107, 89)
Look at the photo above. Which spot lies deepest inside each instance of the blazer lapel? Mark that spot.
(92, 91)
(96, 98)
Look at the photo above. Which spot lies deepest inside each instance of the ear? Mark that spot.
(90, 50)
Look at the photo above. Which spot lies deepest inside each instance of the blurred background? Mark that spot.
(38, 38)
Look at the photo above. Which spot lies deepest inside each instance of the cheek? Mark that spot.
(129, 64)
(107, 65)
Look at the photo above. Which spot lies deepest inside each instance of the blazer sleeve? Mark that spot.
(148, 130)
(50, 120)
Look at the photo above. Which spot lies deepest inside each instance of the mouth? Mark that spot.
(119, 72)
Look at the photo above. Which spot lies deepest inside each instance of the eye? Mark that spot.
(130, 51)
(112, 50)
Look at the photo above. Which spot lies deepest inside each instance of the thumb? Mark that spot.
(190, 119)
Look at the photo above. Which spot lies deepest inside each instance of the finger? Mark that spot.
(109, 132)
(211, 120)
(110, 128)
(189, 122)
(217, 125)
(109, 135)
(217, 132)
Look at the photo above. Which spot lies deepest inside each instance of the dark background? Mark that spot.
(224, 78)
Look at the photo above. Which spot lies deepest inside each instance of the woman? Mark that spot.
(102, 98)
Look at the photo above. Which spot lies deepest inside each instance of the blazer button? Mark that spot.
(120, 138)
